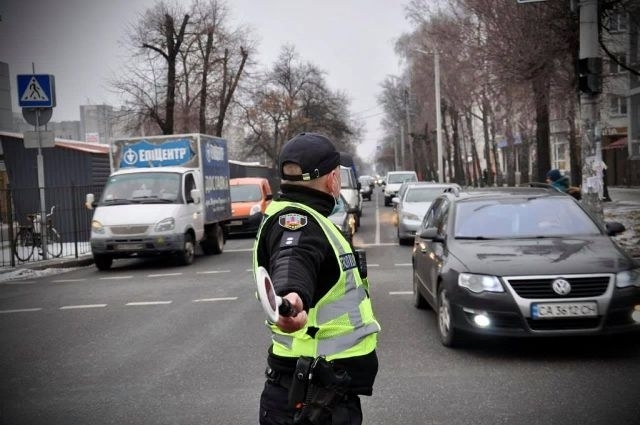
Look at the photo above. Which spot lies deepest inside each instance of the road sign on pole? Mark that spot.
(36, 91)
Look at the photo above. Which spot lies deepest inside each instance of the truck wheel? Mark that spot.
(188, 253)
(103, 262)
(214, 241)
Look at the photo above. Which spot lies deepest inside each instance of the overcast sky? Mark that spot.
(77, 42)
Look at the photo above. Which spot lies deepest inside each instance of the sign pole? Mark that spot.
(40, 164)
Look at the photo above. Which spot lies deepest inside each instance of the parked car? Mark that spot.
(367, 184)
(250, 197)
(351, 191)
(393, 181)
(522, 262)
(412, 203)
(345, 218)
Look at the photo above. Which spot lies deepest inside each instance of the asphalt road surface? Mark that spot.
(152, 343)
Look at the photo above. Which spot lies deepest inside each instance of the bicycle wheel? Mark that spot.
(54, 243)
(23, 244)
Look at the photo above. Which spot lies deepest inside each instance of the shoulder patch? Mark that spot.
(292, 221)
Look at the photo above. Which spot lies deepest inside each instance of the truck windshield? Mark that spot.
(161, 187)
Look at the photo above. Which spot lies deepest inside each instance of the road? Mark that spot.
(152, 343)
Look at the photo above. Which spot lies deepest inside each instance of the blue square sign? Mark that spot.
(36, 91)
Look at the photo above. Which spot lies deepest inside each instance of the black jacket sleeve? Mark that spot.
(297, 260)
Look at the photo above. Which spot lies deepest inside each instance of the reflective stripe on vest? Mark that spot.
(346, 301)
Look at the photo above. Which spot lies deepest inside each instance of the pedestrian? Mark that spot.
(312, 265)
(562, 183)
(557, 180)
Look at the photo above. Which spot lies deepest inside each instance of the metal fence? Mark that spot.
(70, 218)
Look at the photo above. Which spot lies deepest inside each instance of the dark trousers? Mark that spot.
(274, 409)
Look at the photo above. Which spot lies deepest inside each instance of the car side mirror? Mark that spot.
(395, 200)
(614, 228)
(195, 195)
(269, 196)
(90, 201)
(359, 186)
(431, 233)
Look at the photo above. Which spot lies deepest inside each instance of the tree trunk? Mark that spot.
(541, 97)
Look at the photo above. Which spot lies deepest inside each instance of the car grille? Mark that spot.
(563, 324)
(541, 287)
(128, 230)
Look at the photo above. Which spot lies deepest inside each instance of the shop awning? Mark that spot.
(618, 144)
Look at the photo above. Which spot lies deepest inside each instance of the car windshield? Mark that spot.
(422, 194)
(142, 187)
(245, 193)
(401, 178)
(521, 218)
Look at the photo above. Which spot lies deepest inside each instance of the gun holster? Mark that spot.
(317, 384)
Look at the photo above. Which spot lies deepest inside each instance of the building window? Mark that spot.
(617, 21)
(617, 105)
(614, 66)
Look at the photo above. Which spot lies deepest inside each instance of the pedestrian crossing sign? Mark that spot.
(36, 91)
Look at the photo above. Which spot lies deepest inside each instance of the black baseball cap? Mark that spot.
(314, 153)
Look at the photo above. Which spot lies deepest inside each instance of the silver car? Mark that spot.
(415, 200)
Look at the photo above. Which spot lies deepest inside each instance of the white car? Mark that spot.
(350, 189)
(413, 204)
(393, 181)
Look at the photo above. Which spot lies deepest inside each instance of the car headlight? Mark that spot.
(628, 278)
(479, 283)
(166, 225)
(410, 216)
(97, 227)
(254, 209)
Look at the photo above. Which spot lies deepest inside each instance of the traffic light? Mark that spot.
(590, 75)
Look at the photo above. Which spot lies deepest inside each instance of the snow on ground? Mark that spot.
(22, 274)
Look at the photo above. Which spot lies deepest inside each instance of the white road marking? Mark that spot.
(366, 245)
(206, 300)
(77, 307)
(214, 271)
(239, 250)
(373, 265)
(402, 265)
(149, 303)
(401, 293)
(164, 274)
(377, 238)
(116, 277)
(68, 280)
(20, 310)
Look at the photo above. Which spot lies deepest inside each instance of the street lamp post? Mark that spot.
(436, 66)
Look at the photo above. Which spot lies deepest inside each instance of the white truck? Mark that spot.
(165, 194)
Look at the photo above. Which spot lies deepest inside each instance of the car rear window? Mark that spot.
(246, 193)
(422, 194)
(521, 217)
(401, 178)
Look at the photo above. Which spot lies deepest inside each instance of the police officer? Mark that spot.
(312, 266)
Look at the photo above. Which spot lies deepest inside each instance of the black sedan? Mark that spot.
(522, 262)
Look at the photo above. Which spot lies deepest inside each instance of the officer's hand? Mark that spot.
(292, 324)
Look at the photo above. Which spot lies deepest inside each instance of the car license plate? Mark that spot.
(555, 310)
(236, 222)
(129, 247)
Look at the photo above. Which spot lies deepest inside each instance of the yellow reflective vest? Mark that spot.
(343, 316)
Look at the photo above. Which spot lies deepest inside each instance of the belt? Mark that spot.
(278, 378)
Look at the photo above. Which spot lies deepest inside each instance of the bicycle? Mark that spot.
(29, 237)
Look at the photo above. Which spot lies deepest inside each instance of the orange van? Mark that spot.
(249, 199)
